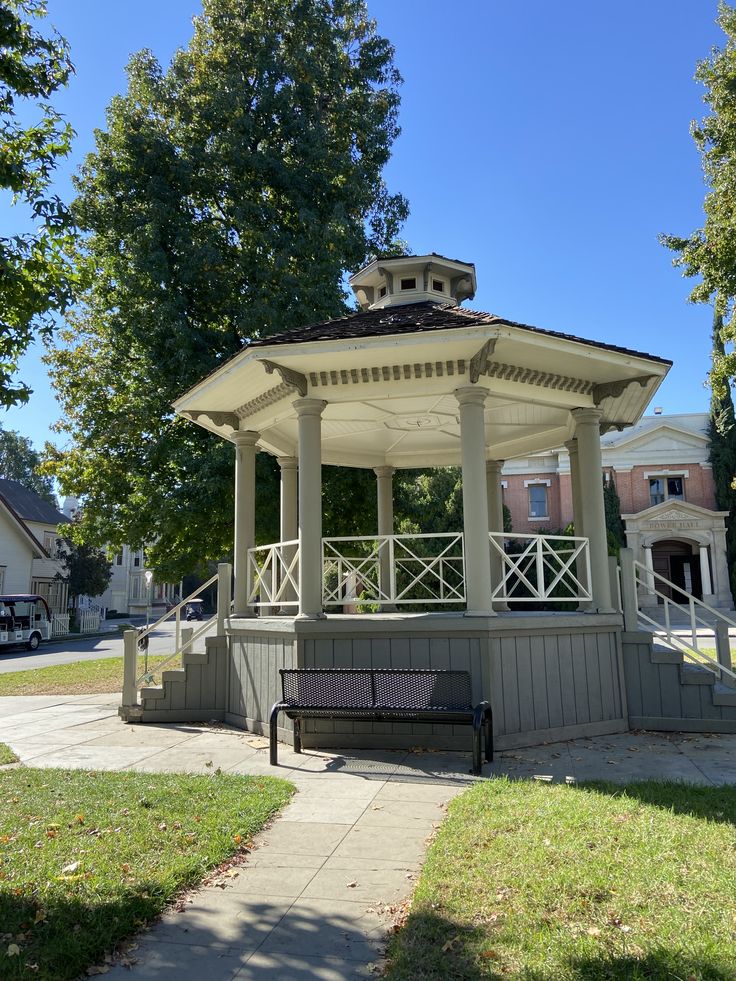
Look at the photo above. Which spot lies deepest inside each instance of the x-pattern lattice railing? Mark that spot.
(394, 569)
(273, 575)
(540, 567)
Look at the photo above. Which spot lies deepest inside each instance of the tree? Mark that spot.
(224, 201)
(19, 461)
(614, 524)
(35, 275)
(87, 570)
(722, 450)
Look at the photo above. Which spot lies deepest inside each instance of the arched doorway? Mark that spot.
(676, 561)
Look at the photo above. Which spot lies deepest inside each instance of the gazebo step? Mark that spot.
(173, 675)
(665, 655)
(195, 657)
(723, 695)
(152, 693)
(691, 674)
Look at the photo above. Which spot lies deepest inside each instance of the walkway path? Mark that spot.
(324, 883)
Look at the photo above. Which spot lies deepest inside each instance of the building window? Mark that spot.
(438, 286)
(666, 488)
(538, 501)
(51, 543)
(119, 558)
(382, 292)
(409, 284)
(137, 559)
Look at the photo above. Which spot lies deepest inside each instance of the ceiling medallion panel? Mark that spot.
(417, 421)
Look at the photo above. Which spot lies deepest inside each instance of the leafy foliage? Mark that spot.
(722, 450)
(35, 275)
(710, 252)
(614, 524)
(19, 461)
(87, 569)
(223, 202)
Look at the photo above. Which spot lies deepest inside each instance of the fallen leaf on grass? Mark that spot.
(352, 885)
(490, 954)
(70, 868)
(13, 950)
(450, 944)
(593, 931)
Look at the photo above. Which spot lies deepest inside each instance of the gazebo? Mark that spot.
(414, 379)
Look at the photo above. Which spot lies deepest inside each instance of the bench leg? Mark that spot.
(273, 743)
(489, 736)
(297, 736)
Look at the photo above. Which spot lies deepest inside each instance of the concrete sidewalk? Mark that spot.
(318, 893)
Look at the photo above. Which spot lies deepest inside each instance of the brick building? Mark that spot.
(665, 483)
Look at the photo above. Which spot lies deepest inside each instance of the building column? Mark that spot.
(495, 523)
(289, 520)
(721, 576)
(245, 514)
(385, 502)
(705, 572)
(309, 413)
(588, 436)
(650, 597)
(475, 501)
(577, 498)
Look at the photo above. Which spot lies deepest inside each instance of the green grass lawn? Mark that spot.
(6, 755)
(548, 882)
(79, 678)
(87, 858)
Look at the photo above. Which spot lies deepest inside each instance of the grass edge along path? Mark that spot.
(555, 882)
(94, 677)
(7, 755)
(87, 858)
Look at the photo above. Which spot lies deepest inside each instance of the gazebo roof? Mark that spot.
(387, 375)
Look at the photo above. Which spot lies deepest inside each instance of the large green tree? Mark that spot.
(35, 275)
(709, 253)
(224, 201)
(19, 461)
(722, 449)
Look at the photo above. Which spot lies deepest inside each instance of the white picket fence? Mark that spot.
(89, 621)
(60, 625)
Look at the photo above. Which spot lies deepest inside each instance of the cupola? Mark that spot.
(413, 279)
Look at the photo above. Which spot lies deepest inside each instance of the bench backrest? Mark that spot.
(376, 688)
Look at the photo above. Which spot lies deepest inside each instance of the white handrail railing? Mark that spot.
(543, 567)
(273, 572)
(699, 627)
(394, 569)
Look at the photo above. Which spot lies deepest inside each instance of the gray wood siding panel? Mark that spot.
(512, 722)
(539, 682)
(567, 681)
(593, 673)
(580, 648)
(650, 686)
(632, 654)
(609, 697)
(495, 693)
(524, 681)
(554, 681)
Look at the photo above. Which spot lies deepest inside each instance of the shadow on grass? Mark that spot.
(705, 803)
(431, 947)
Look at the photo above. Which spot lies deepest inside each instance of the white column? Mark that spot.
(385, 503)
(309, 412)
(650, 597)
(475, 501)
(245, 514)
(588, 435)
(705, 572)
(289, 519)
(495, 522)
(577, 500)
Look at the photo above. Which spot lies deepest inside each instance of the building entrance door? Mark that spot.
(676, 562)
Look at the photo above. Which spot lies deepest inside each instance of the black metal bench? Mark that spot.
(381, 695)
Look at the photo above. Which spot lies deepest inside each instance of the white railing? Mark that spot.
(273, 575)
(88, 620)
(393, 569)
(59, 624)
(707, 628)
(539, 567)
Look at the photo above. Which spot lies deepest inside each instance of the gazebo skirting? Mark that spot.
(549, 676)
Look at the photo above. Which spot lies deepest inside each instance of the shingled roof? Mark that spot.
(28, 505)
(415, 318)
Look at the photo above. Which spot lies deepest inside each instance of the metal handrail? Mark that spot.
(691, 650)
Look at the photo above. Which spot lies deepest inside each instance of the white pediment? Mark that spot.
(660, 445)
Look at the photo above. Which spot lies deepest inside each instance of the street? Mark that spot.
(69, 649)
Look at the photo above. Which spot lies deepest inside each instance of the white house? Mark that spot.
(28, 545)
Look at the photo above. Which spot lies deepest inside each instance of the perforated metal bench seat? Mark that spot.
(381, 695)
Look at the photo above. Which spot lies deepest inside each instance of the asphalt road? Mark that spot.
(68, 650)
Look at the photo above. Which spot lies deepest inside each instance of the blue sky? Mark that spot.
(546, 142)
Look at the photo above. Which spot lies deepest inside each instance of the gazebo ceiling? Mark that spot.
(388, 377)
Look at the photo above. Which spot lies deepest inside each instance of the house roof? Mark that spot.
(28, 505)
(417, 318)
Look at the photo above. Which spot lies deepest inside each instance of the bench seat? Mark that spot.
(381, 695)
